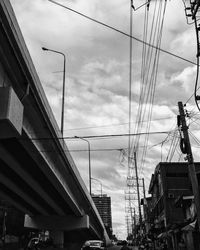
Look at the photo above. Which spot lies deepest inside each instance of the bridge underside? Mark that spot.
(27, 186)
(37, 174)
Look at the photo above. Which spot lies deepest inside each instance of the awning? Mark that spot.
(190, 227)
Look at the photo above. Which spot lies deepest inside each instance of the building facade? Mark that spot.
(103, 205)
(169, 187)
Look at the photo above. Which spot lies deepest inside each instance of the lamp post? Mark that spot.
(90, 185)
(63, 87)
(100, 184)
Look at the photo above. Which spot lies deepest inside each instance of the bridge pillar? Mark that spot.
(58, 238)
(74, 246)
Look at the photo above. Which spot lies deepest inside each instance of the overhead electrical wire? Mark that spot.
(130, 86)
(90, 136)
(85, 150)
(150, 45)
(197, 73)
(144, 89)
(131, 167)
(194, 121)
(154, 75)
(173, 146)
(116, 124)
(123, 151)
(139, 40)
(194, 138)
(145, 32)
(149, 71)
(121, 32)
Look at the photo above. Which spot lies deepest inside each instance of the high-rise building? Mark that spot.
(103, 205)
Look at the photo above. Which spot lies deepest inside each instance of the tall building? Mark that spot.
(103, 204)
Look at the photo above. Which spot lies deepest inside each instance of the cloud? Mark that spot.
(186, 77)
(97, 82)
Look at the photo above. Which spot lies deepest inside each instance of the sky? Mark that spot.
(97, 100)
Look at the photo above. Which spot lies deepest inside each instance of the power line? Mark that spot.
(122, 32)
(85, 150)
(97, 149)
(94, 136)
(117, 124)
(130, 84)
(123, 149)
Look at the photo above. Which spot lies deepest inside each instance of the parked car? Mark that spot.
(95, 245)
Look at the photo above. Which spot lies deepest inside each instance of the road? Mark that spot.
(119, 247)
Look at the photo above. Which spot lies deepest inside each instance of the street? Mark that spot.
(119, 247)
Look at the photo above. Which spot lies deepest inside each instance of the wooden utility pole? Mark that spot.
(186, 149)
(138, 191)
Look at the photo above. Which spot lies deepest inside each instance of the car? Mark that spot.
(95, 245)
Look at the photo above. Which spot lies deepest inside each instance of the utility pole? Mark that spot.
(186, 149)
(138, 191)
(144, 203)
(134, 224)
(143, 188)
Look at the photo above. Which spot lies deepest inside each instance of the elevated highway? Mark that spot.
(37, 173)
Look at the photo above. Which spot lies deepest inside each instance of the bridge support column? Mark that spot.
(57, 225)
(74, 246)
(58, 238)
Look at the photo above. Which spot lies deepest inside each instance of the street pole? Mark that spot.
(100, 184)
(143, 188)
(144, 203)
(63, 96)
(138, 192)
(90, 174)
(134, 225)
(186, 149)
(63, 87)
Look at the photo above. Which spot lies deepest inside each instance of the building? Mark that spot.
(169, 183)
(103, 205)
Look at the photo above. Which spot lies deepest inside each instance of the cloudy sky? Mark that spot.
(97, 84)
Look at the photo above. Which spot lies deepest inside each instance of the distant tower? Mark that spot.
(103, 205)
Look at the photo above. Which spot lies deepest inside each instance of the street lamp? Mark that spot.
(63, 88)
(100, 184)
(90, 185)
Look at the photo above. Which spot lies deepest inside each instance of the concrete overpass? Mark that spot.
(37, 173)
